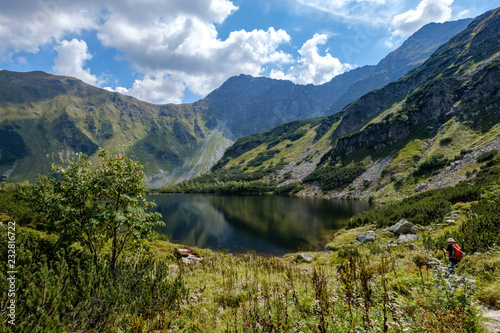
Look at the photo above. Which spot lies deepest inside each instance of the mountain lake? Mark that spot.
(264, 224)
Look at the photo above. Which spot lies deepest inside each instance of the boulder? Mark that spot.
(454, 215)
(391, 245)
(307, 257)
(411, 246)
(414, 229)
(402, 227)
(421, 187)
(187, 256)
(407, 238)
(368, 236)
(191, 259)
(179, 252)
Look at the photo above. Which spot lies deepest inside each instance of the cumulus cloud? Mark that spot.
(427, 11)
(159, 89)
(27, 25)
(71, 58)
(160, 39)
(312, 66)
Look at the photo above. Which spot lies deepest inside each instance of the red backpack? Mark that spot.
(456, 253)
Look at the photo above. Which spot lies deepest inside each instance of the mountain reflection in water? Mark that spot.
(264, 224)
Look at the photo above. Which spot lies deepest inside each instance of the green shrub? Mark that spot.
(332, 177)
(424, 208)
(481, 230)
(61, 288)
(431, 166)
(445, 141)
(486, 156)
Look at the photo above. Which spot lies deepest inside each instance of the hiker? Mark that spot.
(454, 254)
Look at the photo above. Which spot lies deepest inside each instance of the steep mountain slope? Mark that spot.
(46, 118)
(414, 51)
(253, 104)
(429, 129)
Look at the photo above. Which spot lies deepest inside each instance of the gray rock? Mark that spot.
(407, 238)
(305, 257)
(368, 236)
(402, 227)
(454, 215)
(414, 229)
(421, 187)
(411, 246)
(191, 259)
(391, 246)
(179, 252)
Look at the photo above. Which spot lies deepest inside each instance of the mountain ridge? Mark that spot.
(419, 132)
(47, 119)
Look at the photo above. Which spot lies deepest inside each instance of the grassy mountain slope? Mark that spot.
(428, 129)
(46, 119)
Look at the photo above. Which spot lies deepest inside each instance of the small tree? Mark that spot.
(98, 205)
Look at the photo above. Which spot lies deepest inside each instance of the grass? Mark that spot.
(251, 293)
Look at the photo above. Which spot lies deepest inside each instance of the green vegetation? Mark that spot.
(487, 156)
(432, 165)
(95, 205)
(332, 177)
(423, 209)
(357, 287)
(61, 289)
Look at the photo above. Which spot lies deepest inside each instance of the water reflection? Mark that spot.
(265, 224)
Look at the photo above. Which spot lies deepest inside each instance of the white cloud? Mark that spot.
(70, 60)
(160, 89)
(188, 48)
(27, 25)
(427, 11)
(159, 38)
(313, 67)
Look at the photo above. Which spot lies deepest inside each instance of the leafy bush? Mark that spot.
(481, 230)
(431, 166)
(331, 177)
(486, 156)
(288, 189)
(93, 206)
(61, 289)
(262, 157)
(445, 141)
(425, 208)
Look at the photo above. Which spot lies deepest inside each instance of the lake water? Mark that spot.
(264, 224)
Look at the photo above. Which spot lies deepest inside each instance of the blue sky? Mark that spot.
(173, 51)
